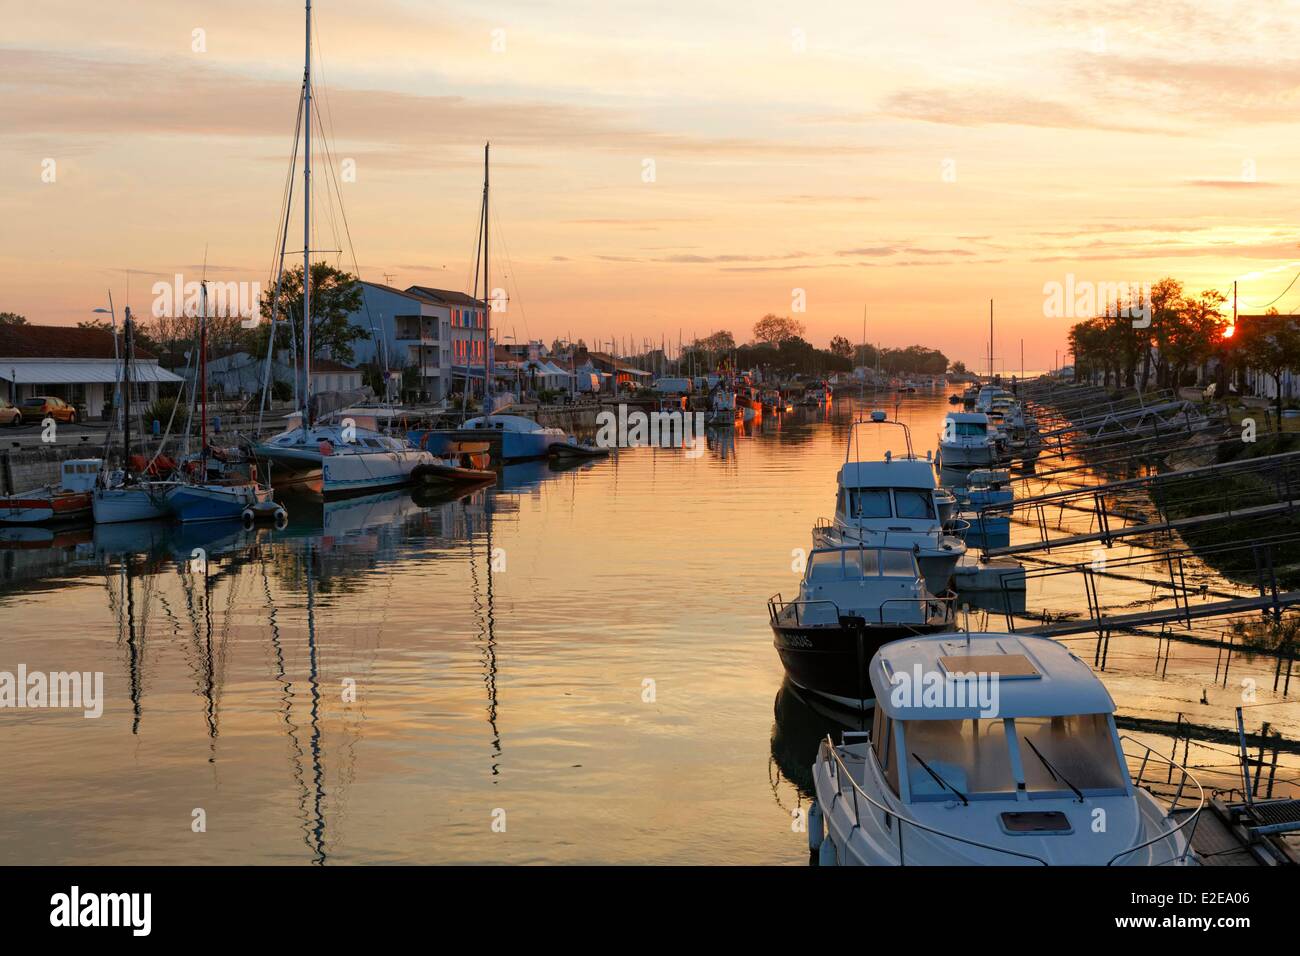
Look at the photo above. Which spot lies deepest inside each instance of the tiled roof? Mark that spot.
(444, 296)
(59, 342)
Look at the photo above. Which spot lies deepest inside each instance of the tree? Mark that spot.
(334, 296)
(957, 368)
(1270, 343)
(774, 329)
(12, 318)
(841, 346)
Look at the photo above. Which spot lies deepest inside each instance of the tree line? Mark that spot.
(778, 344)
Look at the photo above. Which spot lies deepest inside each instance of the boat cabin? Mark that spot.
(896, 494)
(965, 428)
(879, 585)
(993, 717)
(80, 474)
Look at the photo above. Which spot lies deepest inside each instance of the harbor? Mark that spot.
(454, 458)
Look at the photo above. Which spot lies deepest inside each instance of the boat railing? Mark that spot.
(857, 796)
(929, 607)
(1193, 809)
(888, 816)
(894, 540)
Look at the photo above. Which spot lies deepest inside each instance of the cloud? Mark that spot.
(1231, 183)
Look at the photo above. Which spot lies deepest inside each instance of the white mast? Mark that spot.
(306, 229)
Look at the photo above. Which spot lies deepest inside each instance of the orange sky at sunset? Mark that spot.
(917, 159)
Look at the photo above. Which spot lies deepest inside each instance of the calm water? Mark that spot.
(581, 654)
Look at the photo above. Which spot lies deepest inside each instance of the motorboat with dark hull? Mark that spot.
(852, 600)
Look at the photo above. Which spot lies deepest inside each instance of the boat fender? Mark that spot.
(249, 518)
(816, 826)
(826, 855)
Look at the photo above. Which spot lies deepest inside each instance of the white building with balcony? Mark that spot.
(405, 330)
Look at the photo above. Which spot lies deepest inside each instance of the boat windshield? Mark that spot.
(869, 503)
(853, 564)
(969, 428)
(914, 503)
(1079, 748)
(974, 757)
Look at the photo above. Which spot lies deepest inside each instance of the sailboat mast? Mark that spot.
(487, 303)
(306, 227)
(203, 383)
(990, 340)
(128, 349)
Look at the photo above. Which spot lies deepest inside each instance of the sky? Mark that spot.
(664, 168)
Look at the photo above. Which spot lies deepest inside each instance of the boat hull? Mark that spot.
(45, 509)
(213, 502)
(355, 474)
(135, 503)
(833, 661)
(967, 456)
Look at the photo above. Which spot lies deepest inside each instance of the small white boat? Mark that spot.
(894, 503)
(967, 441)
(722, 407)
(1000, 750)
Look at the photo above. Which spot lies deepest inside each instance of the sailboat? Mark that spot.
(348, 456)
(208, 497)
(125, 494)
(511, 437)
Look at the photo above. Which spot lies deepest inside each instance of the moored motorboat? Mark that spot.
(894, 502)
(463, 463)
(70, 500)
(996, 749)
(852, 599)
(966, 441)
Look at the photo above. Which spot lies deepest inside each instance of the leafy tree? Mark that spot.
(957, 368)
(1270, 343)
(841, 346)
(12, 318)
(774, 329)
(334, 296)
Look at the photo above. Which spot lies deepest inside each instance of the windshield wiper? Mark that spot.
(940, 781)
(1056, 774)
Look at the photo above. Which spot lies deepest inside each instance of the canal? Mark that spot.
(571, 666)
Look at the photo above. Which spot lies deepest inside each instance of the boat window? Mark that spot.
(867, 560)
(969, 755)
(897, 564)
(824, 566)
(1080, 748)
(869, 503)
(971, 428)
(918, 503)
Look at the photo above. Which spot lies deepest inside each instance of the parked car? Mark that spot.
(9, 415)
(40, 407)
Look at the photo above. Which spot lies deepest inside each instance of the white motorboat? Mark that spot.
(894, 502)
(997, 749)
(722, 406)
(967, 441)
